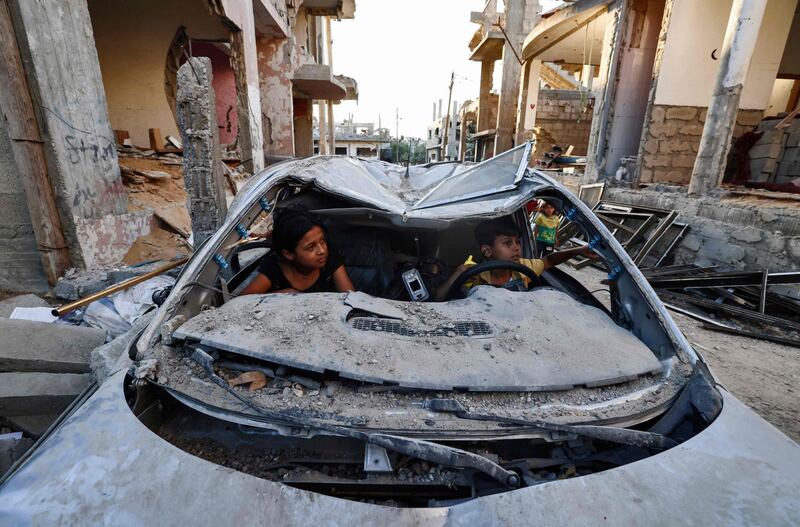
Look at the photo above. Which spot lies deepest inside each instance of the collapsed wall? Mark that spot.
(730, 231)
(563, 118)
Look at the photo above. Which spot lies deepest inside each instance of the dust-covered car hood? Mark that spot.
(494, 340)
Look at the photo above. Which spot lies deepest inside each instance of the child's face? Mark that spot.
(311, 251)
(504, 248)
(548, 209)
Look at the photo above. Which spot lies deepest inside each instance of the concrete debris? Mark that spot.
(26, 393)
(105, 359)
(8, 305)
(42, 347)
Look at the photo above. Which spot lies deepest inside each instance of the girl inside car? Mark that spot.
(300, 260)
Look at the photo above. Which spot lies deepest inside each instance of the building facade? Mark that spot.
(85, 75)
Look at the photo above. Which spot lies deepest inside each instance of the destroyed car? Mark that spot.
(506, 405)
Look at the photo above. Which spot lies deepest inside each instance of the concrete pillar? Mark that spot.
(63, 74)
(509, 89)
(202, 168)
(323, 128)
(744, 24)
(587, 76)
(244, 60)
(329, 56)
(462, 144)
(275, 71)
(484, 109)
(605, 90)
(22, 160)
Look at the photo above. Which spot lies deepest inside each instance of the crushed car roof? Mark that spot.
(496, 186)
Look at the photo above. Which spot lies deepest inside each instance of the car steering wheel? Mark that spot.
(492, 265)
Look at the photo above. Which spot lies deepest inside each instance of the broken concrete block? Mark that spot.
(7, 306)
(32, 425)
(77, 285)
(106, 356)
(43, 347)
(26, 393)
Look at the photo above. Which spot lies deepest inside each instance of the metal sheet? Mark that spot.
(527, 352)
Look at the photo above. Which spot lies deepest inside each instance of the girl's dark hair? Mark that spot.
(290, 224)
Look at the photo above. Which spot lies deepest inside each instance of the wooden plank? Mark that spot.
(156, 139)
(18, 112)
(121, 135)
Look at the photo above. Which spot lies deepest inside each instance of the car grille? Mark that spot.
(398, 327)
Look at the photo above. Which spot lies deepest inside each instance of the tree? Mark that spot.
(399, 151)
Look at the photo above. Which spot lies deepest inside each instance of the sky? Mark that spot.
(401, 55)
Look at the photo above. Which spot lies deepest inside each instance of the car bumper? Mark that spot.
(103, 466)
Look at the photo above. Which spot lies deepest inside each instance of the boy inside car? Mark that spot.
(499, 239)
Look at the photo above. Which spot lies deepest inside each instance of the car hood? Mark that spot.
(494, 340)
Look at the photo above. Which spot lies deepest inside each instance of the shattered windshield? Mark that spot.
(497, 174)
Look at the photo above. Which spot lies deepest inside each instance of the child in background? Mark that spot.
(545, 229)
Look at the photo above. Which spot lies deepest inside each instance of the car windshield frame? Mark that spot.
(432, 198)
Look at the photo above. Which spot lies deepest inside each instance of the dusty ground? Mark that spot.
(764, 375)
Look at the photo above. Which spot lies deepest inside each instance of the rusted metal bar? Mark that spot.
(125, 284)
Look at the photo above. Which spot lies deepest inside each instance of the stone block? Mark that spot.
(670, 176)
(722, 251)
(658, 160)
(675, 145)
(7, 306)
(765, 150)
(657, 114)
(683, 161)
(793, 247)
(747, 234)
(76, 285)
(749, 117)
(43, 347)
(26, 393)
(665, 129)
(692, 129)
(701, 114)
(692, 242)
(683, 113)
(651, 146)
(646, 175)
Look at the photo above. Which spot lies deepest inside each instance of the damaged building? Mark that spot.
(678, 105)
(90, 130)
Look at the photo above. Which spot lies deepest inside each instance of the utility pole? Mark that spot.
(396, 134)
(446, 130)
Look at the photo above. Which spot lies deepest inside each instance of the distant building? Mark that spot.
(434, 140)
(357, 139)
